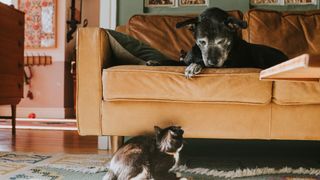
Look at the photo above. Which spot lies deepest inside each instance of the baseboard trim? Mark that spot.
(23, 112)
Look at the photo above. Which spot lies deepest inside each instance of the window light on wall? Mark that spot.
(6, 2)
(9, 2)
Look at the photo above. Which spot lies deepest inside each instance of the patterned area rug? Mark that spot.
(18, 166)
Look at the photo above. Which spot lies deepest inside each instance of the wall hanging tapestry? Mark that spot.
(40, 23)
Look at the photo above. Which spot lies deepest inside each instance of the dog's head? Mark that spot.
(214, 31)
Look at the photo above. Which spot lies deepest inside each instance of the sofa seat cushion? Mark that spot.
(296, 93)
(163, 83)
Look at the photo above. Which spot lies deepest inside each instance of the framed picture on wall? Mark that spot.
(193, 2)
(40, 23)
(265, 2)
(300, 2)
(160, 3)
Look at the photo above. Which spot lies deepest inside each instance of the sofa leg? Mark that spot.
(116, 142)
(104, 142)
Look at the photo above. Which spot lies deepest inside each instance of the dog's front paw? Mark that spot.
(183, 178)
(153, 63)
(192, 70)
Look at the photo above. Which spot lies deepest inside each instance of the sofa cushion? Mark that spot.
(163, 83)
(296, 93)
(160, 32)
(294, 33)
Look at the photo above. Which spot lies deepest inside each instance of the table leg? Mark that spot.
(13, 120)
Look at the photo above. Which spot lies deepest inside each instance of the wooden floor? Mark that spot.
(219, 153)
(48, 141)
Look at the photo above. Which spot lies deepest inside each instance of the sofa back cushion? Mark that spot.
(293, 33)
(159, 31)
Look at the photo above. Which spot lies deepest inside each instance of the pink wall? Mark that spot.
(91, 11)
(48, 82)
(52, 85)
(47, 86)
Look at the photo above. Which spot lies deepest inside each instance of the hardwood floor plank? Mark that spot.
(48, 141)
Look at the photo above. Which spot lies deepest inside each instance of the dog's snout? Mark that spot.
(213, 54)
(212, 62)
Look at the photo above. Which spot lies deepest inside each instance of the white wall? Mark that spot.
(108, 14)
(9, 2)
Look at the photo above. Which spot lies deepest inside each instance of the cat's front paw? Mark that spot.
(192, 70)
(153, 63)
(179, 176)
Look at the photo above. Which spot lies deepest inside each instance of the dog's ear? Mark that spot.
(192, 21)
(235, 23)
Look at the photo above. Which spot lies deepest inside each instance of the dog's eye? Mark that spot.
(202, 42)
(220, 41)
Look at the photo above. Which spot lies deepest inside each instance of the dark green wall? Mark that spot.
(127, 8)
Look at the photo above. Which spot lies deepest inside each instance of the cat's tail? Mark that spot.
(109, 175)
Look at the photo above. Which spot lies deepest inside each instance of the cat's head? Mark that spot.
(169, 139)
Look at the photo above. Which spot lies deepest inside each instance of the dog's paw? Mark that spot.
(192, 70)
(153, 63)
(183, 178)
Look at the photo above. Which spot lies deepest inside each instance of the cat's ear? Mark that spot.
(157, 129)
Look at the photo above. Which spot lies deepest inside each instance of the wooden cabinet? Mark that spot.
(11, 58)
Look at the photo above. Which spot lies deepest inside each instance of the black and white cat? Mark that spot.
(148, 157)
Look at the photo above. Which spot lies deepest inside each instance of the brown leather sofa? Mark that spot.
(219, 103)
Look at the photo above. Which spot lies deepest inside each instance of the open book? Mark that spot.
(301, 68)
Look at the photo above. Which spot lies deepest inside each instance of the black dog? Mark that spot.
(218, 45)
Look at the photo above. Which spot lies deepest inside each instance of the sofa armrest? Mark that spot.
(93, 53)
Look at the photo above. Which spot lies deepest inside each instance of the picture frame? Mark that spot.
(160, 3)
(40, 23)
(193, 3)
(266, 2)
(301, 2)
(283, 2)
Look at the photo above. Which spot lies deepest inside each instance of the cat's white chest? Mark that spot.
(176, 157)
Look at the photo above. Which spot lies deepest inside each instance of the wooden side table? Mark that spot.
(301, 68)
(13, 114)
(11, 59)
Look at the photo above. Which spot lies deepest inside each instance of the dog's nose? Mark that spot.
(212, 63)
